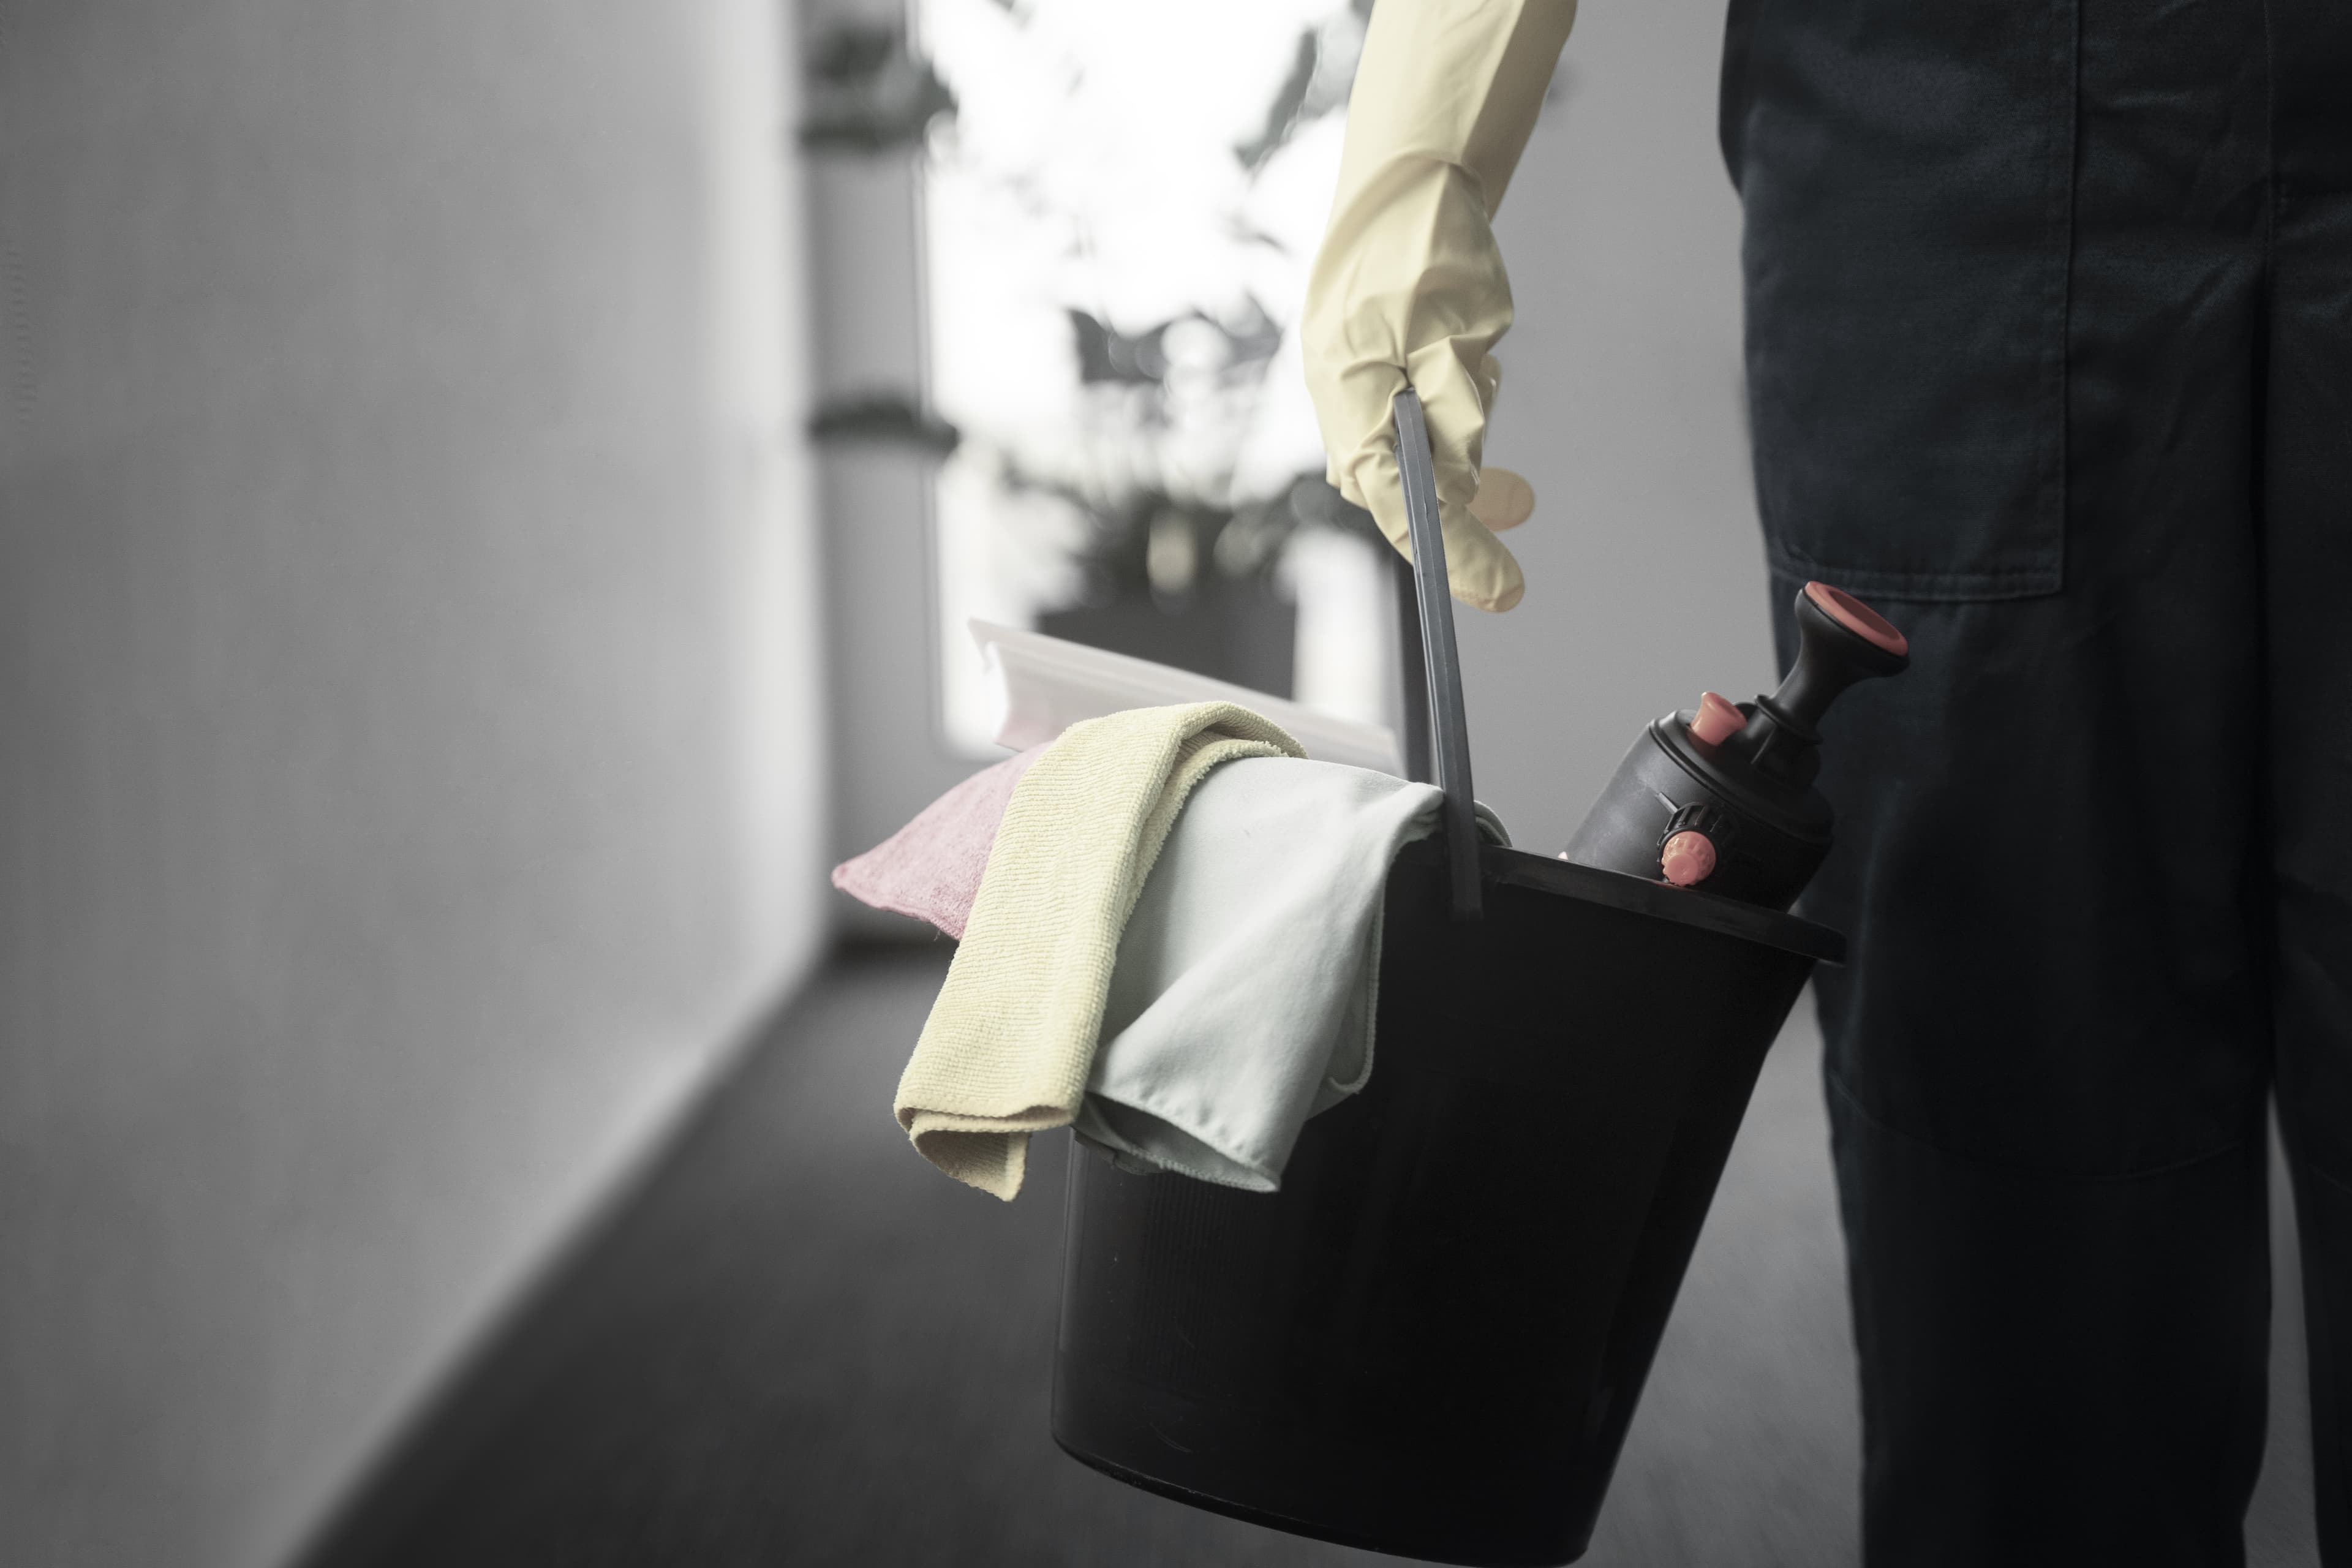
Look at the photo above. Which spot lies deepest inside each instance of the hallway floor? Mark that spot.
(797, 1343)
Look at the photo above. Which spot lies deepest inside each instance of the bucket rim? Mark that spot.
(1659, 901)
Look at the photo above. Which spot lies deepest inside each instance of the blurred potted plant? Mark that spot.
(1172, 522)
(1108, 208)
(1183, 574)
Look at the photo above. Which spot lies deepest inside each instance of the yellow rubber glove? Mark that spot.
(1409, 284)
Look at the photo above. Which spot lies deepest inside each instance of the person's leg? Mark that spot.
(2307, 575)
(2048, 1062)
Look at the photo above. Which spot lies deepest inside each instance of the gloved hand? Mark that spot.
(1410, 285)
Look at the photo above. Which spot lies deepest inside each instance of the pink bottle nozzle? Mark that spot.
(1840, 640)
(1858, 617)
(1687, 858)
(1718, 719)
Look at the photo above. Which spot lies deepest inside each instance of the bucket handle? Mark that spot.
(1449, 726)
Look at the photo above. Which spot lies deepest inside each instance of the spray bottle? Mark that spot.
(1721, 796)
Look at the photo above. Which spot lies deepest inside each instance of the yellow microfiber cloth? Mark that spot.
(1011, 1038)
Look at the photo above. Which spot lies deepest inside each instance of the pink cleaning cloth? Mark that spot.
(931, 867)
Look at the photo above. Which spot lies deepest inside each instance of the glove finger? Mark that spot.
(1503, 499)
(1479, 569)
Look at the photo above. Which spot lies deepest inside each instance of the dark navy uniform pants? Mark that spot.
(2049, 356)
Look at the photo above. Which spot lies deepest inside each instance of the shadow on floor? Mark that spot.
(798, 1344)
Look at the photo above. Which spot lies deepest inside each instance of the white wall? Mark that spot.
(410, 780)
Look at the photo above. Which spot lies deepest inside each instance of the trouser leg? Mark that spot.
(2056, 1370)
(2307, 575)
(2048, 1063)
(2046, 1080)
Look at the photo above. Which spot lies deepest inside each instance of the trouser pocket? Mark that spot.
(1907, 174)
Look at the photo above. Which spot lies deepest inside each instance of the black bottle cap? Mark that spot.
(1842, 640)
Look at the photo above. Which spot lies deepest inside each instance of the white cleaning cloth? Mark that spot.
(1008, 1044)
(1246, 983)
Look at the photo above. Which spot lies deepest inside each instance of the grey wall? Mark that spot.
(890, 759)
(866, 259)
(409, 772)
(1622, 403)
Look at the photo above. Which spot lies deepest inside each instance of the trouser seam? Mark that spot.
(2340, 1183)
(1839, 1087)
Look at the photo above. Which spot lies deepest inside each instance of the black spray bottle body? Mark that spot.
(1721, 796)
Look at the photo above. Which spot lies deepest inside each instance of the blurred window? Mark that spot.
(1120, 204)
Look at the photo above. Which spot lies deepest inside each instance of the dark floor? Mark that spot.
(798, 1344)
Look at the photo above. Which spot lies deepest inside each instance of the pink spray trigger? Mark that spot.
(1857, 617)
(1718, 719)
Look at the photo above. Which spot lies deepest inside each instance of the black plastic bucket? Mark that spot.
(1430, 1340)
